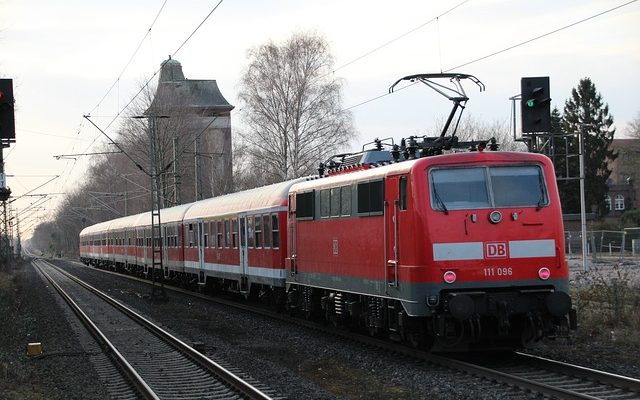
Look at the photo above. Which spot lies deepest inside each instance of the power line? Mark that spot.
(146, 84)
(131, 58)
(400, 37)
(541, 36)
(505, 49)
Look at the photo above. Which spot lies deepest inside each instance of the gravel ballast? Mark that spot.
(297, 363)
(30, 313)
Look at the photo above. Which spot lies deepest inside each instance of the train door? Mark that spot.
(244, 254)
(393, 188)
(291, 258)
(165, 250)
(199, 242)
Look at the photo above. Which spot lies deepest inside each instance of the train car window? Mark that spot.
(234, 233)
(518, 186)
(266, 226)
(335, 202)
(243, 232)
(190, 236)
(205, 236)
(305, 205)
(345, 201)
(258, 231)
(403, 192)
(212, 234)
(370, 198)
(219, 233)
(250, 238)
(275, 231)
(227, 233)
(325, 203)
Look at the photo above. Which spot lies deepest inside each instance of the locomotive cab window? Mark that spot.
(487, 187)
(304, 205)
(518, 186)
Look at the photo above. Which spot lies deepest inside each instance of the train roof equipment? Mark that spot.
(383, 151)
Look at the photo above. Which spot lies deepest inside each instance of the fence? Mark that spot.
(619, 245)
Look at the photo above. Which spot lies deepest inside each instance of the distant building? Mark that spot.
(200, 122)
(624, 184)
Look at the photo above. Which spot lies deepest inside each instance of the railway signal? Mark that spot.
(7, 121)
(535, 104)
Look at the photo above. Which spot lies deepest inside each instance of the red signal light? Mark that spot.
(7, 119)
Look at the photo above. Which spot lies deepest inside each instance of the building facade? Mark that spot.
(624, 186)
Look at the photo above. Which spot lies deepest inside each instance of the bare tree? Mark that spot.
(291, 106)
(633, 128)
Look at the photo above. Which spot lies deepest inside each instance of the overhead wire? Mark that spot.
(116, 82)
(135, 52)
(146, 84)
(400, 37)
(502, 51)
(541, 36)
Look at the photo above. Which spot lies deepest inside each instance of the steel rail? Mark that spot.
(607, 378)
(618, 381)
(130, 372)
(227, 376)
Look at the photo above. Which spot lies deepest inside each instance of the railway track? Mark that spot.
(157, 364)
(531, 374)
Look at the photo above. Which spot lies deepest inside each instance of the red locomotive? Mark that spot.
(452, 251)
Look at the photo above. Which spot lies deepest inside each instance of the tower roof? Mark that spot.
(177, 93)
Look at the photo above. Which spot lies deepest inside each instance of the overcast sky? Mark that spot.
(65, 55)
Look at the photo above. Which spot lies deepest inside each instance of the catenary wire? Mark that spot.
(502, 51)
(400, 37)
(146, 84)
(131, 58)
(541, 36)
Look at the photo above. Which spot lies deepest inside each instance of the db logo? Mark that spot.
(495, 250)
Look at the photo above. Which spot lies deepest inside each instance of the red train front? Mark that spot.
(451, 252)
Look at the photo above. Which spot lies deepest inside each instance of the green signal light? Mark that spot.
(531, 103)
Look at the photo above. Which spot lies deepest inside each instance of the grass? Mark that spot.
(607, 300)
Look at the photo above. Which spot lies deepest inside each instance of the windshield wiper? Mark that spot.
(439, 200)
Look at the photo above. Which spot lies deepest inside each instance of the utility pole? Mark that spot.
(176, 174)
(198, 169)
(157, 292)
(582, 135)
(7, 136)
(157, 288)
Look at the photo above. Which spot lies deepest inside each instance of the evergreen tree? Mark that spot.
(585, 110)
(566, 164)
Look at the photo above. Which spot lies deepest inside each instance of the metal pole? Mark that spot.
(198, 182)
(176, 176)
(583, 215)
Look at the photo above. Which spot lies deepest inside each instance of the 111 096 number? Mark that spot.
(500, 271)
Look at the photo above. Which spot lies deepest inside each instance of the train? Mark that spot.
(441, 244)
(454, 251)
